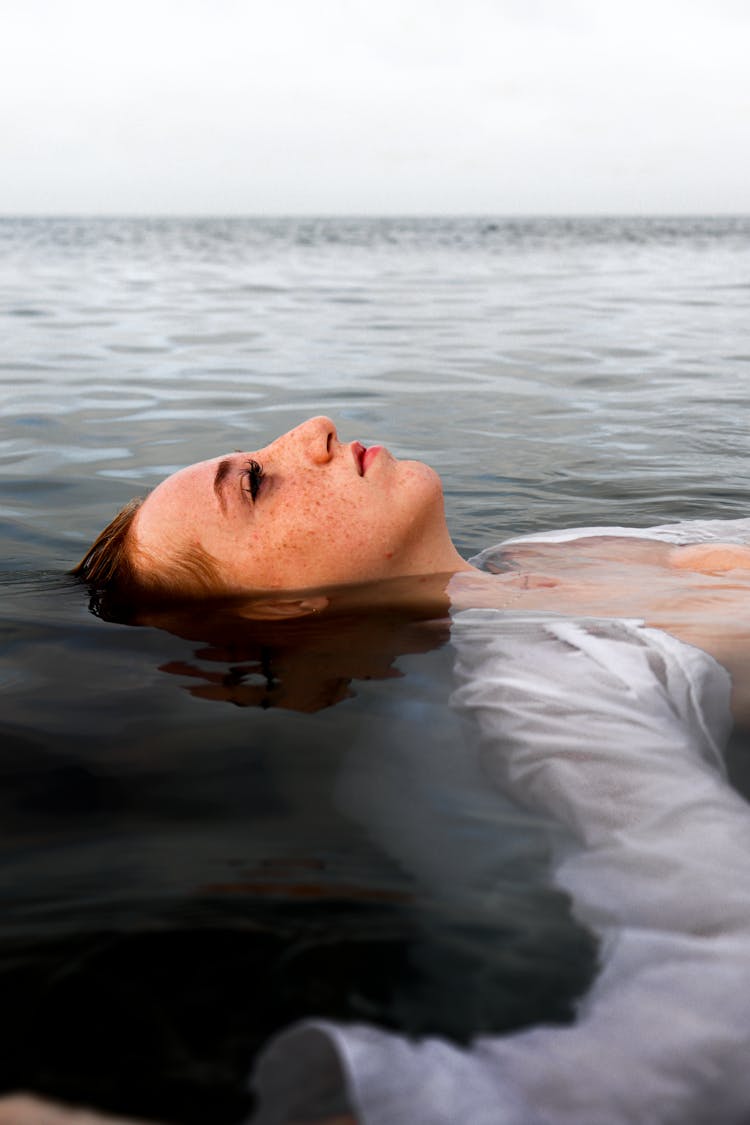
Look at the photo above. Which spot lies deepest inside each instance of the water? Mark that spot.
(191, 875)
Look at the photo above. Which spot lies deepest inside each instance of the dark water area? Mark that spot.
(186, 868)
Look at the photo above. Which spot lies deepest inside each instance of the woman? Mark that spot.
(305, 511)
(612, 728)
(284, 524)
(308, 511)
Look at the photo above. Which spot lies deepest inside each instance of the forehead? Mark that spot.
(181, 507)
(194, 481)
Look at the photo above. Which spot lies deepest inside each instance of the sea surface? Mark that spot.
(186, 867)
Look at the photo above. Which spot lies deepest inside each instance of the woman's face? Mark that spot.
(322, 512)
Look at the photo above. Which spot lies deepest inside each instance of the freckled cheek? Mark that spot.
(315, 536)
(334, 530)
(296, 537)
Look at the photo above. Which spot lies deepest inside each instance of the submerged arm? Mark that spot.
(699, 594)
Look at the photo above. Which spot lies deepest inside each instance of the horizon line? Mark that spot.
(502, 216)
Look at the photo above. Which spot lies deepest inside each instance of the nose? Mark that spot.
(319, 439)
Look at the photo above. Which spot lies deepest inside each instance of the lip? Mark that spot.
(358, 453)
(364, 457)
(369, 456)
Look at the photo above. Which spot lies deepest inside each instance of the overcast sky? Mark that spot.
(374, 106)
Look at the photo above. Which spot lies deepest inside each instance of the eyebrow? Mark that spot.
(223, 469)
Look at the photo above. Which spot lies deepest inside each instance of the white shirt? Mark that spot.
(615, 730)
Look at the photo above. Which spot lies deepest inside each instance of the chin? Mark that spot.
(424, 476)
(427, 504)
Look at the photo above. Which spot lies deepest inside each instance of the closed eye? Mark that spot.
(252, 478)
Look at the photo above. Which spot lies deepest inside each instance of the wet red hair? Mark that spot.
(116, 572)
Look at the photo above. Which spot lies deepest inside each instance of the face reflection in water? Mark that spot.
(307, 510)
(305, 662)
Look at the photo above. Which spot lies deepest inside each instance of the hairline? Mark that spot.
(191, 561)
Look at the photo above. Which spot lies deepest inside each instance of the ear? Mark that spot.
(281, 608)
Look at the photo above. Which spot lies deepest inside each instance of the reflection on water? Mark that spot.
(556, 372)
(176, 862)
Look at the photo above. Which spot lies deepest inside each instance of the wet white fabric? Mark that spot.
(679, 534)
(616, 730)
